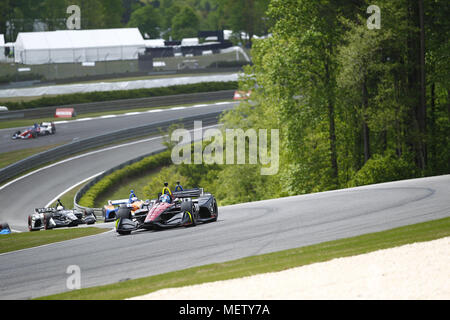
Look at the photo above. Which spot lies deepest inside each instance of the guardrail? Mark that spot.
(121, 104)
(89, 143)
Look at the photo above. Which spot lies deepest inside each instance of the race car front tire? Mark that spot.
(188, 207)
(30, 227)
(46, 221)
(123, 212)
(216, 211)
(124, 226)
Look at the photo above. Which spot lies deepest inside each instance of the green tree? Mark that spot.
(92, 13)
(6, 10)
(54, 14)
(147, 19)
(185, 24)
(168, 9)
(22, 15)
(113, 12)
(349, 102)
(128, 7)
(305, 63)
(437, 31)
(248, 16)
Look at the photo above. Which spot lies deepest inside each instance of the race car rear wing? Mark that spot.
(117, 202)
(189, 193)
(44, 210)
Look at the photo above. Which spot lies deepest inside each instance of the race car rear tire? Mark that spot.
(4, 225)
(29, 224)
(89, 216)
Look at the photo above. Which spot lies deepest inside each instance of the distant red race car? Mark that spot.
(44, 129)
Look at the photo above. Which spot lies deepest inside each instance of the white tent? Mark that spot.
(2, 47)
(77, 46)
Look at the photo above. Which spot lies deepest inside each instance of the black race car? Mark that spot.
(58, 217)
(180, 208)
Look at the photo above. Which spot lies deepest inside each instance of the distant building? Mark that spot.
(78, 46)
(188, 47)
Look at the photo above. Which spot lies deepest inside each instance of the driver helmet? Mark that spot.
(59, 208)
(132, 197)
(165, 198)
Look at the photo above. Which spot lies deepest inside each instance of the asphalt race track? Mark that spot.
(67, 131)
(242, 230)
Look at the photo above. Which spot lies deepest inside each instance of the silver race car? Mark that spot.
(58, 217)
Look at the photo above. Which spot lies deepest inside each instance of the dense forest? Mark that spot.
(174, 19)
(354, 105)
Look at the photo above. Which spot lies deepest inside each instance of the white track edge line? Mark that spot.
(70, 188)
(85, 155)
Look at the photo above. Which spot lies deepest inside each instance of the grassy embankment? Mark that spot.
(19, 241)
(7, 158)
(271, 262)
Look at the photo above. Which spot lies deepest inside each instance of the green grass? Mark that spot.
(24, 99)
(122, 191)
(271, 262)
(7, 158)
(67, 198)
(18, 241)
(19, 154)
(98, 96)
